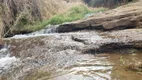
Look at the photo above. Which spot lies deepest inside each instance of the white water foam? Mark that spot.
(31, 35)
(5, 60)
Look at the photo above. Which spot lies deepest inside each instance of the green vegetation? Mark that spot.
(75, 13)
(31, 27)
(14, 18)
(26, 24)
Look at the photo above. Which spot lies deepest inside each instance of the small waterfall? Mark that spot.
(4, 51)
(47, 30)
(91, 14)
(5, 59)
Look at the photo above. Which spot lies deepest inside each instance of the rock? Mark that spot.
(131, 38)
(111, 41)
(58, 50)
(1, 44)
(125, 17)
(79, 41)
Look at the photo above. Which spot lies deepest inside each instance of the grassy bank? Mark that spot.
(73, 14)
(17, 19)
(15, 14)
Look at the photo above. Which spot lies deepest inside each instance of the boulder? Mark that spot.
(124, 17)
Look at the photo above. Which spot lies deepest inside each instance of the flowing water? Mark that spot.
(70, 64)
(6, 60)
(101, 67)
(97, 68)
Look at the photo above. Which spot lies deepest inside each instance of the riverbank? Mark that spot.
(104, 46)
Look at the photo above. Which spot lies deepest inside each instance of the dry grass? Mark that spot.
(48, 8)
(73, 11)
(51, 7)
(15, 14)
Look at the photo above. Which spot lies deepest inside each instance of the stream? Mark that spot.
(47, 55)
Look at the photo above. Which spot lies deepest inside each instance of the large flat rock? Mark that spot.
(124, 17)
(55, 51)
(78, 41)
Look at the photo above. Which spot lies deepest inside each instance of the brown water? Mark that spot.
(112, 66)
(121, 71)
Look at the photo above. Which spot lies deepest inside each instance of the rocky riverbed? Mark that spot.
(92, 49)
(88, 55)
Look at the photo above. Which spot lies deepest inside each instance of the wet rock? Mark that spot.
(3, 52)
(79, 41)
(6, 61)
(61, 51)
(51, 52)
(1, 44)
(48, 29)
(111, 41)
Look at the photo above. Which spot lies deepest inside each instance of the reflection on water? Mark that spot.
(101, 68)
(90, 69)
(121, 71)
